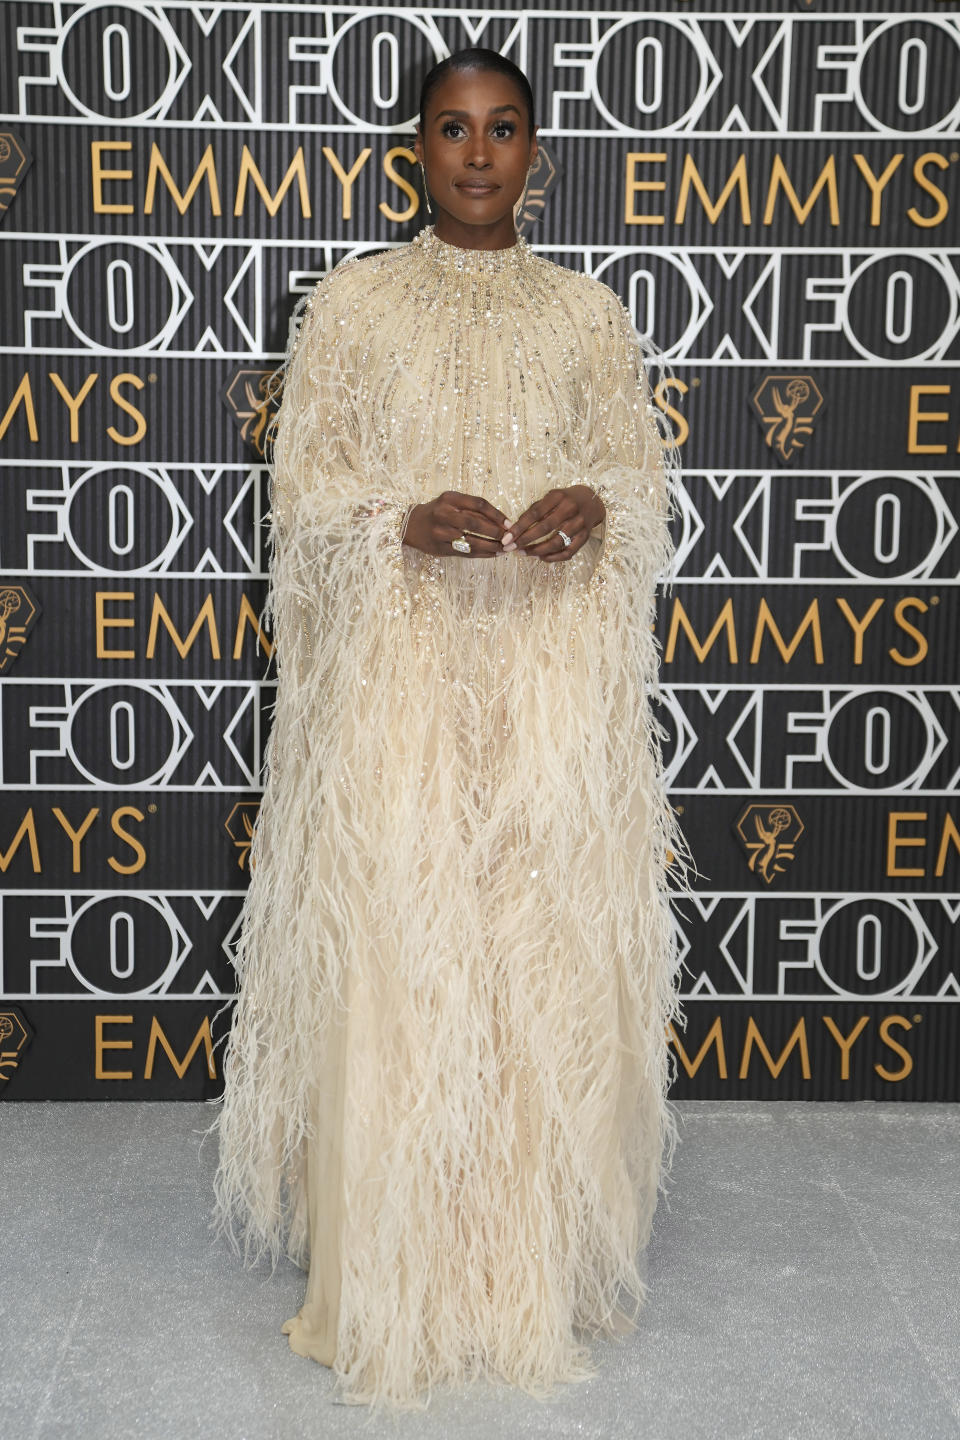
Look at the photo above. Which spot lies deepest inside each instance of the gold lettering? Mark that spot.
(896, 841)
(346, 178)
(103, 623)
(681, 430)
(876, 184)
(205, 616)
(249, 171)
(99, 175)
(910, 602)
(724, 621)
(398, 216)
(123, 404)
(950, 836)
(23, 396)
(859, 627)
(926, 222)
(779, 179)
(753, 1037)
(206, 170)
(845, 1042)
(100, 1044)
(887, 1038)
(76, 836)
(73, 402)
(691, 179)
(125, 812)
(180, 1067)
(714, 1037)
(248, 616)
(765, 621)
(27, 828)
(919, 417)
(635, 186)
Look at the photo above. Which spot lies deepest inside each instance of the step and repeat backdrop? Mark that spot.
(774, 193)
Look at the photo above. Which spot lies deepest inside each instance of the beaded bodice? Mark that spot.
(474, 364)
(497, 374)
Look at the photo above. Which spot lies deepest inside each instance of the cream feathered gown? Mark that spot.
(445, 1081)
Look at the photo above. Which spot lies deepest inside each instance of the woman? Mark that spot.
(446, 1077)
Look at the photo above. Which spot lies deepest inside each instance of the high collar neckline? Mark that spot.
(459, 260)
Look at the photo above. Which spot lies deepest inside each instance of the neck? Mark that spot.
(499, 235)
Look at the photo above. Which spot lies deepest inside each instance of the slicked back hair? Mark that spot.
(476, 58)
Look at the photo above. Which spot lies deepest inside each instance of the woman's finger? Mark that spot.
(480, 506)
(564, 552)
(523, 527)
(479, 518)
(452, 522)
(479, 544)
(476, 518)
(555, 514)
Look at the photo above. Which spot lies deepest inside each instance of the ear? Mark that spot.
(418, 144)
(534, 147)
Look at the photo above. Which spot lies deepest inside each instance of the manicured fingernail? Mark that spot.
(504, 539)
(510, 547)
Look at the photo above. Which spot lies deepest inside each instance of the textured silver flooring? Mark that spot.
(804, 1282)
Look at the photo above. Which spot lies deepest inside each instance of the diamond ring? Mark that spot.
(565, 538)
(461, 544)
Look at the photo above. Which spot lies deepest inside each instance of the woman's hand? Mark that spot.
(575, 510)
(432, 525)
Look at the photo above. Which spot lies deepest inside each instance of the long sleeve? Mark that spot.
(326, 467)
(628, 459)
(340, 500)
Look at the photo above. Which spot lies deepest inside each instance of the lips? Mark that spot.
(474, 189)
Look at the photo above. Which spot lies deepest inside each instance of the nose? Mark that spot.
(478, 156)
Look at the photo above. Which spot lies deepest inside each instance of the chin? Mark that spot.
(484, 213)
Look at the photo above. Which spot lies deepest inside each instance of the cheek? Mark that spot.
(440, 162)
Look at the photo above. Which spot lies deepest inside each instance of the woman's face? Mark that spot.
(476, 149)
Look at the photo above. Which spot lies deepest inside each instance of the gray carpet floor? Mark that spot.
(804, 1274)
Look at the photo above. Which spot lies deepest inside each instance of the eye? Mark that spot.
(451, 125)
(506, 126)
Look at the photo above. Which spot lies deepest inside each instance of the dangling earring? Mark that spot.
(425, 194)
(523, 198)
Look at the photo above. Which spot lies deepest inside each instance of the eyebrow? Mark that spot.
(465, 114)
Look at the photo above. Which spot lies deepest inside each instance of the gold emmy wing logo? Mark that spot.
(15, 1036)
(786, 406)
(768, 834)
(14, 164)
(18, 612)
(239, 826)
(543, 177)
(252, 403)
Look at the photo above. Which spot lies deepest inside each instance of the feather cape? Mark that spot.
(457, 958)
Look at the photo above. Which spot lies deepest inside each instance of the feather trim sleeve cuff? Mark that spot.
(631, 462)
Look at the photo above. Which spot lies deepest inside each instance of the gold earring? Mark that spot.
(425, 194)
(523, 198)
